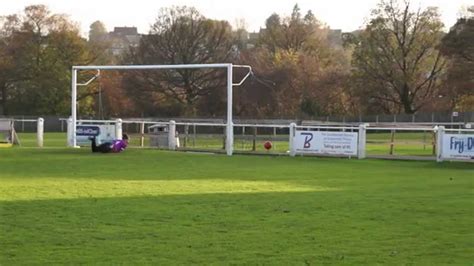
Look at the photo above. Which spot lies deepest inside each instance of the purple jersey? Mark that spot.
(118, 145)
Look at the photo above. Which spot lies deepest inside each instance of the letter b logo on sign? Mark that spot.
(307, 140)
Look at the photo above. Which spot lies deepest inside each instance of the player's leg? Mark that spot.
(94, 145)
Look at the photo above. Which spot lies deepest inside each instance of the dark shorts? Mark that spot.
(104, 147)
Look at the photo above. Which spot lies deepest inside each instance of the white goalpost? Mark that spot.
(229, 67)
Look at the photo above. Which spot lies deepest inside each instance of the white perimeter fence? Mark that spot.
(422, 141)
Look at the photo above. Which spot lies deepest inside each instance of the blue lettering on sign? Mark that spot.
(307, 140)
(461, 144)
(87, 131)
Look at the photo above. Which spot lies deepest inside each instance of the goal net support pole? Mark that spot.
(229, 67)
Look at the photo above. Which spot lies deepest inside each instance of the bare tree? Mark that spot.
(396, 61)
(181, 35)
(458, 47)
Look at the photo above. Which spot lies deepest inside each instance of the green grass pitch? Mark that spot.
(69, 206)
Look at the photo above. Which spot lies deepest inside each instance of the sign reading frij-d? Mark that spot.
(458, 146)
(326, 142)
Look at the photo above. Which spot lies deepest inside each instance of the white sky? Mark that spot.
(347, 15)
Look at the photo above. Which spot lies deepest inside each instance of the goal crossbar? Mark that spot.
(229, 130)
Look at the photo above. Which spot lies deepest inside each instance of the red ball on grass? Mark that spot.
(267, 145)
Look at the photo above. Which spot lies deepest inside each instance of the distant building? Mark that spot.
(122, 38)
(253, 38)
(335, 38)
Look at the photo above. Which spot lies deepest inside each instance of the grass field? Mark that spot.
(69, 206)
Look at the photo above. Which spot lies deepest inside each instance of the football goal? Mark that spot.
(9, 136)
(72, 141)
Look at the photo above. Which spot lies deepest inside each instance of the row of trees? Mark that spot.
(401, 62)
(37, 50)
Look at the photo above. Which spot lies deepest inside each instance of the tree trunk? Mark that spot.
(405, 99)
(408, 108)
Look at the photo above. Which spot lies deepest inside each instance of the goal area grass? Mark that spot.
(143, 206)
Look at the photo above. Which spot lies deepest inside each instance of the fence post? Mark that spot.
(70, 137)
(254, 139)
(172, 135)
(439, 143)
(186, 132)
(292, 139)
(392, 139)
(424, 140)
(142, 134)
(362, 141)
(40, 131)
(243, 138)
(118, 128)
(224, 139)
(194, 135)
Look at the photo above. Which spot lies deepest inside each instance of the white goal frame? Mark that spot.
(229, 144)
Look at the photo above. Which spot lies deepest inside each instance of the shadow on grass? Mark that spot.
(457, 165)
(163, 165)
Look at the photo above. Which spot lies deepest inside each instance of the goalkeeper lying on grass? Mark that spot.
(116, 145)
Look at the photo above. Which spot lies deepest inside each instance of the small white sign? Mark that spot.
(458, 146)
(325, 142)
(455, 114)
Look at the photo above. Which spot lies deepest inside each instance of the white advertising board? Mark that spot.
(325, 142)
(458, 146)
(101, 132)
